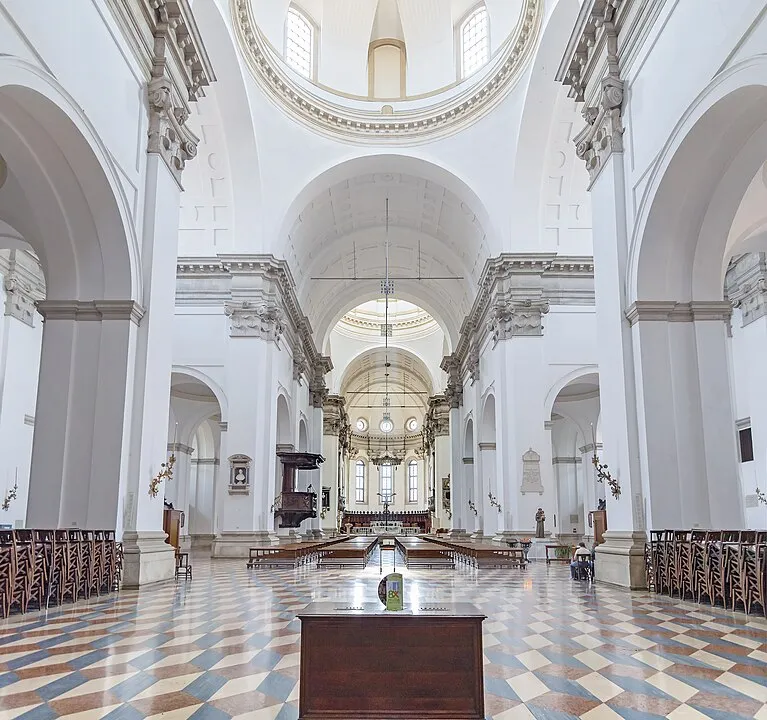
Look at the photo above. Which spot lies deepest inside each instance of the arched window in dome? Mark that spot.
(300, 42)
(474, 41)
(359, 481)
(412, 482)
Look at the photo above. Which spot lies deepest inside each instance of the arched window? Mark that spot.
(300, 43)
(359, 482)
(387, 482)
(474, 39)
(412, 482)
(387, 69)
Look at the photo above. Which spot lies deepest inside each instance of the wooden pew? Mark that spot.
(484, 555)
(288, 556)
(422, 553)
(354, 552)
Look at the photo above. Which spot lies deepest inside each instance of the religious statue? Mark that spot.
(540, 518)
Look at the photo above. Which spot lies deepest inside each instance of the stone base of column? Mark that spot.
(185, 543)
(147, 559)
(505, 536)
(620, 560)
(318, 534)
(237, 544)
(202, 542)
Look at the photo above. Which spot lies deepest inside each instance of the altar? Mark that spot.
(397, 522)
(395, 527)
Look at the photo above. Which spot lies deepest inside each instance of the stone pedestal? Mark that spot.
(620, 559)
(238, 544)
(202, 541)
(147, 558)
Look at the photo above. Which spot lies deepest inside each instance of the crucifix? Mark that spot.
(387, 498)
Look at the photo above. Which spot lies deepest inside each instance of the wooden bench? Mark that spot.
(421, 553)
(566, 559)
(291, 556)
(353, 552)
(484, 555)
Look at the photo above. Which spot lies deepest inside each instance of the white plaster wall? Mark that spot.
(117, 108)
(19, 366)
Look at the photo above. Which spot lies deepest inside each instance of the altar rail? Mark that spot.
(38, 567)
(420, 519)
(718, 567)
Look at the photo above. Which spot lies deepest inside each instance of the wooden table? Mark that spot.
(364, 663)
(560, 559)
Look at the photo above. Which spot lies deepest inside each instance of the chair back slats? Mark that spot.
(40, 567)
(720, 567)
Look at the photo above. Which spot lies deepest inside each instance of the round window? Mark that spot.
(386, 425)
(412, 425)
(362, 424)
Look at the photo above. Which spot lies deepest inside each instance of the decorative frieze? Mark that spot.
(334, 416)
(91, 310)
(517, 319)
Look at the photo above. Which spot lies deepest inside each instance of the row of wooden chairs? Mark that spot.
(720, 567)
(38, 567)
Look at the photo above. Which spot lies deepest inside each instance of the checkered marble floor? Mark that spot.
(226, 645)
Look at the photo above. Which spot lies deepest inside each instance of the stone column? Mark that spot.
(181, 486)
(488, 486)
(593, 491)
(201, 515)
(443, 469)
(458, 495)
(568, 501)
(256, 327)
(687, 437)
(315, 442)
(78, 453)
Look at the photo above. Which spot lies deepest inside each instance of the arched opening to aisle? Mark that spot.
(704, 204)
(60, 195)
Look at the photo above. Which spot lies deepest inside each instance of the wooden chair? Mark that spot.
(182, 565)
(7, 573)
(751, 580)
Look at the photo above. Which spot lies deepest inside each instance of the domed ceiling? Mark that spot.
(337, 88)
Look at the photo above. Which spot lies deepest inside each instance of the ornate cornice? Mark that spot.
(93, 310)
(439, 118)
(595, 40)
(168, 47)
(672, 311)
(258, 295)
(515, 292)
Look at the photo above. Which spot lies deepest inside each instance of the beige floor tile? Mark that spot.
(599, 686)
(715, 661)
(264, 714)
(240, 685)
(291, 660)
(180, 714)
(30, 684)
(537, 641)
(742, 641)
(588, 641)
(685, 712)
(527, 686)
(95, 714)
(690, 641)
(593, 660)
(533, 660)
(97, 685)
(744, 685)
(653, 660)
(671, 686)
(601, 712)
(167, 685)
(516, 713)
(639, 641)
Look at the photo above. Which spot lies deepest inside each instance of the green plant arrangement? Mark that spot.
(563, 552)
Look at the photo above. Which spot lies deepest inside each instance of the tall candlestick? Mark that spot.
(175, 435)
(593, 438)
(16, 478)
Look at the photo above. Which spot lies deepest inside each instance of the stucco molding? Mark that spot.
(167, 45)
(746, 286)
(386, 121)
(23, 283)
(672, 311)
(257, 293)
(93, 310)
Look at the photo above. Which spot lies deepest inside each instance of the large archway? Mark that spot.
(679, 255)
(62, 196)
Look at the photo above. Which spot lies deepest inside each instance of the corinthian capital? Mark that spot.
(168, 134)
(603, 134)
(255, 319)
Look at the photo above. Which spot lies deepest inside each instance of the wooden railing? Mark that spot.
(719, 567)
(38, 567)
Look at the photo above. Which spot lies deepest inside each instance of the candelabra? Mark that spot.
(603, 475)
(472, 506)
(166, 473)
(494, 501)
(761, 497)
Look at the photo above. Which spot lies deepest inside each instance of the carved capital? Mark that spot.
(472, 363)
(168, 134)
(454, 391)
(517, 319)
(746, 286)
(262, 320)
(603, 134)
(24, 286)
